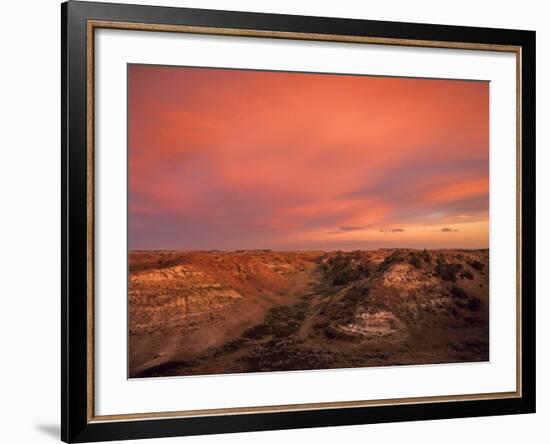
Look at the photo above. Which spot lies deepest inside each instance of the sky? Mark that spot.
(242, 159)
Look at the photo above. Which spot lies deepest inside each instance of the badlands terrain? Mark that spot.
(198, 313)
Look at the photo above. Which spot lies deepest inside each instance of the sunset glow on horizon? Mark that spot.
(233, 159)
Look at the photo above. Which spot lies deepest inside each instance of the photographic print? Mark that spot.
(283, 221)
(276, 222)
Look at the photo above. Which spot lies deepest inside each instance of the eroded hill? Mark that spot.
(230, 312)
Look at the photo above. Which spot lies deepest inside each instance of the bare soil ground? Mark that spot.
(197, 313)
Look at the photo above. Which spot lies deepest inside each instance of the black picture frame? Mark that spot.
(76, 423)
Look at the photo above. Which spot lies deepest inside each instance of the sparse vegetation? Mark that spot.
(288, 355)
(340, 270)
(447, 271)
(463, 299)
(474, 303)
(416, 260)
(477, 265)
(457, 292)
(467, 274)
(304, 310)
(394, 258)
(426, 256)
(279, 321)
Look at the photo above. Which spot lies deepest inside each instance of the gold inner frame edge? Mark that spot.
(90, 31)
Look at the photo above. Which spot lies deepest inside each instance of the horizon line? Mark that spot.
(240, 250)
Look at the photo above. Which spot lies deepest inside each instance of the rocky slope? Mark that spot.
(229, 312)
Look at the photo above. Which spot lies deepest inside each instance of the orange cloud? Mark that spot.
(228, 159)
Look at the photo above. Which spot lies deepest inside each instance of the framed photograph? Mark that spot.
(275, 221)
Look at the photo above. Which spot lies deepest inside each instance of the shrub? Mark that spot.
(322, 325)
(457, 292)
(257, 332)
(426, 256)
(474, 304)
(467, 274)
(463, 300)
(447, 272)
(350, 273)
(477, 265)
(415, 260)
(393, 258)
(343, 269)
(453, 311)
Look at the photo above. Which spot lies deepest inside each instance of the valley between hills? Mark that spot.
(214, 312)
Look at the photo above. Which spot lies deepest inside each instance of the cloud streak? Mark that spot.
(350, 228)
